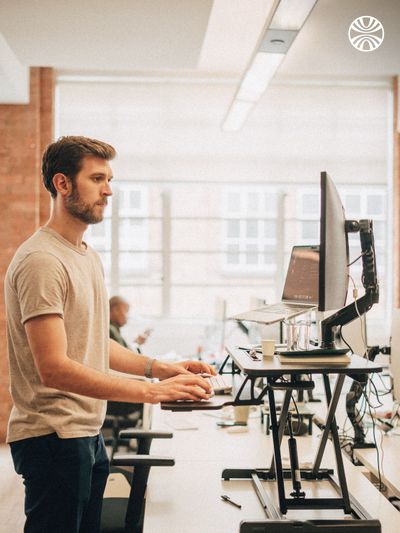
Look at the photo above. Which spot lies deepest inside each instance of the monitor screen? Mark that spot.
(301, 283)
(334, 249)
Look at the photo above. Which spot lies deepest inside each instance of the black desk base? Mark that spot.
(311, 526)
(276, 520)
(360, 518)
(248, 394)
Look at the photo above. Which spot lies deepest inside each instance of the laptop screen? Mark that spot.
(301, 283)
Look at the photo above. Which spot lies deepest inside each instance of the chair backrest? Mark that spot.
(133, 506)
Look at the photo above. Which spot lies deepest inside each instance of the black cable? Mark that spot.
(344, 433)
(359, 416)
(376, 393)
(386, 390)
(344, 340)
(381, 486)
(357, 258)
(366, 404)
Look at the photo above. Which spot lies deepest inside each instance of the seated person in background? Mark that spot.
(119, 309)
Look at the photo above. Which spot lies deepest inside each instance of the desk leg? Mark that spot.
(332, 404)
(282, 423)
(331, 427)
(277, 452)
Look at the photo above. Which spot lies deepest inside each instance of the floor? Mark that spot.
(12, 516)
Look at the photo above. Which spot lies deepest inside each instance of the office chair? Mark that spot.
(120, 416)
(126, 514)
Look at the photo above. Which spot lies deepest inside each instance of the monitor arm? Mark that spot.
(356, 391)
(369, 280)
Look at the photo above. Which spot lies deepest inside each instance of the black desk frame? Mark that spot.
(248, 393)
(276, 472)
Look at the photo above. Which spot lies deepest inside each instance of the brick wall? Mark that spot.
(24, 203)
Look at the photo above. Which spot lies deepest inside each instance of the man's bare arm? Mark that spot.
(48, 343)
(130, 362)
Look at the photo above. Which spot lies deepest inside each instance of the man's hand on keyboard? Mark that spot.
(218, 384)
(181, 387)
(194, 367)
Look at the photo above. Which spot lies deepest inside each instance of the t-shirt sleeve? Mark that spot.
(40, 281)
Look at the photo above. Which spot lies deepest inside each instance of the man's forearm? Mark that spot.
(127, 361)
(77, 378)
(48, 343)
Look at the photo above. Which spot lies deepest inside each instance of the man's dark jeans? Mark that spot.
(64, 482)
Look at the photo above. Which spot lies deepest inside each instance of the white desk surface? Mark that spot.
(186, 497)
(390, 473)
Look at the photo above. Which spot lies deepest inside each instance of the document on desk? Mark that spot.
(317, 360)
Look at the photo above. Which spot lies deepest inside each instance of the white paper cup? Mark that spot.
(241, 414)
(268, 347)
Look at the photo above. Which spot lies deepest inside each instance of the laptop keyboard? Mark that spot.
(282, 308)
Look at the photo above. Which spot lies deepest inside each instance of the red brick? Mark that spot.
(24, 131)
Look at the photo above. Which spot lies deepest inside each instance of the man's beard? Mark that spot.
(82, 211)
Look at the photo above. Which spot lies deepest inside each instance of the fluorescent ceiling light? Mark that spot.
(291, 14)
(287, 20)
(258, 76)
(237, 114)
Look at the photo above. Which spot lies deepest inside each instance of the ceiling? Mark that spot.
(199, 39)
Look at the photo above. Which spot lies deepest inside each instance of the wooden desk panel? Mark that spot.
(273, 366)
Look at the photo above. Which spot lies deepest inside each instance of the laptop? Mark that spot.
(300, 292)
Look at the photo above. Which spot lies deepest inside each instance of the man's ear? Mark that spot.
(62, 183)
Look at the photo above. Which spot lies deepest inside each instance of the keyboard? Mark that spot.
(218, 384)
(314, 351)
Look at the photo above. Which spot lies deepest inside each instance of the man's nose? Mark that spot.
(107, 191)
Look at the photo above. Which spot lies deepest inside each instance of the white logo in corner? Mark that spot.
(366, 33)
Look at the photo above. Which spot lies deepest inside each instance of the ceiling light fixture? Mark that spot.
(287, 20)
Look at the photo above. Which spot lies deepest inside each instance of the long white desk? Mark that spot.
(186, 497)
(389, 458)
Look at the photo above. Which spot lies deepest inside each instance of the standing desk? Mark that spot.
(284, 377)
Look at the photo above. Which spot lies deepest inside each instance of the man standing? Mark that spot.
(60, 352)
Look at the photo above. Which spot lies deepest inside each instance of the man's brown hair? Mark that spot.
(66, 156)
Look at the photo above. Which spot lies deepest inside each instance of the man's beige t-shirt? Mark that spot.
(49, 275)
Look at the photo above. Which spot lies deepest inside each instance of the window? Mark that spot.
(359, 202)
(250, 230)
(122, 239)
(132, 230)
(308, 212)
(366, 203)
(225, 240)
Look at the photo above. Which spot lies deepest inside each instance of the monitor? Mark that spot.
(334, 264)
(334, 249)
